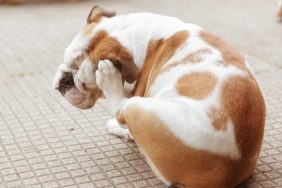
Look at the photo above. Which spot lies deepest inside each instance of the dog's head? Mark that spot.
(75, 79)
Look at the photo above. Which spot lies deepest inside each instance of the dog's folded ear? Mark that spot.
(97, 13)
(129, 71)
(125, 62)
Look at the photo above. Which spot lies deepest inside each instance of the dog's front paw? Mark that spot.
(109, 80)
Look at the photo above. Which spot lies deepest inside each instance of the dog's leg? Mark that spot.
(172, 134)
(143, 118)
(160, 127)
(109, 80)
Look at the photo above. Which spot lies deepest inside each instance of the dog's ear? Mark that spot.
(129, 71)
(97, 13)
(125, 63)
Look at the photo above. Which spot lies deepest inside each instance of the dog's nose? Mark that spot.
(65, 83)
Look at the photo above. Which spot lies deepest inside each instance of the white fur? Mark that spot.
(77, 48)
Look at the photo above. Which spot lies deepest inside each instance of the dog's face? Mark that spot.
(75, 79)
(78, 86)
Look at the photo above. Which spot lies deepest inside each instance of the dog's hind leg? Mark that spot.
(175, 137)
(148, 120)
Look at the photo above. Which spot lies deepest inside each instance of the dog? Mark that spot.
(189, 100)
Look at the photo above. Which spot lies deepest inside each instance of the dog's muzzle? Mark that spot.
(63, 79)
(68, 84)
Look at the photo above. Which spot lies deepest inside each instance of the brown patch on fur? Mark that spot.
(88, 29)
(197, 85)
(219, 118)
(230, 55)
(99, 36)
(142, 81)
(158, 53)
(243, 102)
(192, 58)
(103, 47)
(198, 56)
(178, 162)
(97, 13)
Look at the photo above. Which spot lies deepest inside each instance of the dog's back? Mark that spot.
(201, 123)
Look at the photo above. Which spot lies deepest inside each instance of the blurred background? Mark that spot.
(46, 142)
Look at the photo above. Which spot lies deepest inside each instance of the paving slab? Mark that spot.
(46, 142)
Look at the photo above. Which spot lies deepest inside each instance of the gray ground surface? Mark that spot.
(45, 142)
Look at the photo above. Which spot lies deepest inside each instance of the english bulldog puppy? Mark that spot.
(188, 99)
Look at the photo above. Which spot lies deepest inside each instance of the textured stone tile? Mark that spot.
(46, 142)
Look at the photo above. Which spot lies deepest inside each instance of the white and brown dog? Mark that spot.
(189, 100)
